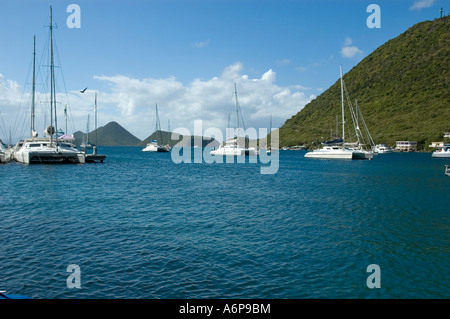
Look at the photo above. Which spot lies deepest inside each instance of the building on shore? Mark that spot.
(406, 146)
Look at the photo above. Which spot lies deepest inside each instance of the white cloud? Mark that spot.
(348, 41)
(211, 101)
(131, 101)
(283, 62)
(349, 51)
(420, 4)
(200, 44)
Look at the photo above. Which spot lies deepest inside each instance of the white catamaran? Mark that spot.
(236, 145)
(48, 149)
(342, 151)
(153, 146)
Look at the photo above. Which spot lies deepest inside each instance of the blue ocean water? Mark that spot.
(141, 226)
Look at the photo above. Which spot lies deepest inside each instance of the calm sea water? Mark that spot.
(141, 226)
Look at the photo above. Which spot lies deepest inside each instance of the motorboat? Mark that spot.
(382, 149)
(444, 152)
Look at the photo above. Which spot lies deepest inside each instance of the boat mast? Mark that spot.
(33, 89)
(87, 130)
(95, 108)
(237, 108)
(342, 106)
(270, 131)
(52, 81)
(158, 125)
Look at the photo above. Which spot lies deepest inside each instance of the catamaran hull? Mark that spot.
(234, 152)
(49, 158)
(344, 154)
(155, 149)
(330, 155)
(362, 155)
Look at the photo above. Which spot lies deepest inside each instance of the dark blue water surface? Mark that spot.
(141, 226)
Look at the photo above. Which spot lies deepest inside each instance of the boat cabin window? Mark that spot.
(35, 145)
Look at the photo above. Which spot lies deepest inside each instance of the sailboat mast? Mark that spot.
(65, 117)
(342, 106)
(52, 78)
(270, 130)
(33, 89)
(237, 108)
(95, 109)
(158, 125)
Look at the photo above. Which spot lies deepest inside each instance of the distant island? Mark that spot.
(113, 134)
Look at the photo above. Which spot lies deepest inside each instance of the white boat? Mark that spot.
(447, 170)
(236, 145)
(44, 150)
(3, 152)
(362, 154)
(382, 149)
(340, 152)
(48, 149)
(331, 152)
(232, 148)
(444, 152)
(153, 146)
(85, 145)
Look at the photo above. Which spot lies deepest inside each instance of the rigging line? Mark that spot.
(62, 76)
(4, 133)
(21, 115)
(354, 116)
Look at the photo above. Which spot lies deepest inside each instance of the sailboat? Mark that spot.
(269, 147)
(334, 151)
(94, 157)
(86, 144)
(234, 146)
(359, 147)
(48, 149)
(153, 146)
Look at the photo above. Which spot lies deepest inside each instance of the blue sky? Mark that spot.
(186, 56)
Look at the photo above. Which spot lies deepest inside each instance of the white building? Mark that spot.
(406, 146)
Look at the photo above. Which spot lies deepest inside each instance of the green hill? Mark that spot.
(112, 134)
(402, 88)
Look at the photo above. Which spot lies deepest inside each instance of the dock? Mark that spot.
(95, 158)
